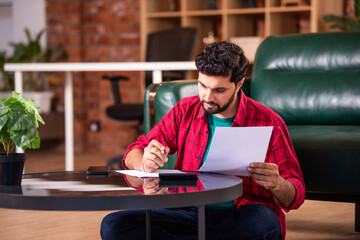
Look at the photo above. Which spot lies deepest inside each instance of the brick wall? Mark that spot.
(98, 31)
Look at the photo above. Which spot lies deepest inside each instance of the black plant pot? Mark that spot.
(11, 168)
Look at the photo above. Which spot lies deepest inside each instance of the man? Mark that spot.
(273, 185)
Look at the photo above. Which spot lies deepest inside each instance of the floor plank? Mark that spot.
(322, 220)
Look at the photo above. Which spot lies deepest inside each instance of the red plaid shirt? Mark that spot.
(185, 131)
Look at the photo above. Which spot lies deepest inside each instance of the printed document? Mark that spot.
(234, 148)
(142, 174)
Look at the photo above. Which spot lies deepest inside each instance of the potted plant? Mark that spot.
(346, 23)
(35, 83)
(18, 127)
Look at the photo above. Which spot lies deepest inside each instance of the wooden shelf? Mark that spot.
(164, 15)
(204, 13)
(233, 19)
(245, 11)
(291, 9)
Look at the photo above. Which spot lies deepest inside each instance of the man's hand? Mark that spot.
(267, 175)
(155, 155)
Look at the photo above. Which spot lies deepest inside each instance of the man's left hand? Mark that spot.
(268, 176)
(265, 174)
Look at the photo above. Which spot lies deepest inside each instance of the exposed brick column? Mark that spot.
(98, 31)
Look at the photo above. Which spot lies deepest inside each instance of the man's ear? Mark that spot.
(239, 85)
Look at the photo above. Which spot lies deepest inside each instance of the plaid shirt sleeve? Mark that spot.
(282, 153)
(165, 132)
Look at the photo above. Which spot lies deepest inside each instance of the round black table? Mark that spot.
(77, 191)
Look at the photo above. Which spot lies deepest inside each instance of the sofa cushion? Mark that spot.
(330, 155)
(310, 78)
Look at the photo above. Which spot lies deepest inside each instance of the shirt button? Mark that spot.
(207, 132)
(198, 158)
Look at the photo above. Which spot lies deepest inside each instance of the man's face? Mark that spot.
(218, 95)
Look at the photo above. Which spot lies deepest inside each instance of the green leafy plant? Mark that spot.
(345, 23)
(18, 123)
(30, 52)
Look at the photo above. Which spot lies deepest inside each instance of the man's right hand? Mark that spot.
(155, 155)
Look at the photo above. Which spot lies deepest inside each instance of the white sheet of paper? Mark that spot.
(141, 174)
(234, 148)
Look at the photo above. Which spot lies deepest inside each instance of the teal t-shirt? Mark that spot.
(213, 123)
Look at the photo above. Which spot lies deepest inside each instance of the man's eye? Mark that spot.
(220, 90)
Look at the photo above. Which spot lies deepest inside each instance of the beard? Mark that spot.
(218, 109)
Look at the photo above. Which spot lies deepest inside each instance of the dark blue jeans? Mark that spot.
(247, 222)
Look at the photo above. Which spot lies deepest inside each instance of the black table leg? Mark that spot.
(201, 222)
(148, 212)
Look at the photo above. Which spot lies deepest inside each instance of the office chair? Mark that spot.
(175, 44)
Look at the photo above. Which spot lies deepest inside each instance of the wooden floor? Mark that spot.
(314, 220)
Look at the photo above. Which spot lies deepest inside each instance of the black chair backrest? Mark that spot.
(174, 44)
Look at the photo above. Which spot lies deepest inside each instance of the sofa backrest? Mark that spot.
(310, 78)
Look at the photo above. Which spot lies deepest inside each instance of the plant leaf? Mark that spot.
(38, 118)
(16, 95)
(36, 142)
(38, 36)
(357, 9)
(20, 121)
(343, 23)
(3, 121)
(23, 138)
(3, 108)
(4, 135)
(31, 108)
(17, 107)
(28, 34)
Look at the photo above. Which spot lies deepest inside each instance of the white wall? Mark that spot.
(6, 24)
(15, 15)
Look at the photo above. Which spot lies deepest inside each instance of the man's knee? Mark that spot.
(105, 228)
(108, 226)
(265, 222)
(116, 225)
(251, 222)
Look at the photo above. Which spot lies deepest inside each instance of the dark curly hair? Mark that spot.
(223, 59)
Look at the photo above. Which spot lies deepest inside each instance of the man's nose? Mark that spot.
(209, 96)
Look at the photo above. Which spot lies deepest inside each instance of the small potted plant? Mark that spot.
(18, 128)
(36, 84)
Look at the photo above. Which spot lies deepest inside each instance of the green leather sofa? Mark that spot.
(313, 82)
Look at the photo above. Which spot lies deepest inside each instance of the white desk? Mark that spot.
(68, 68)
